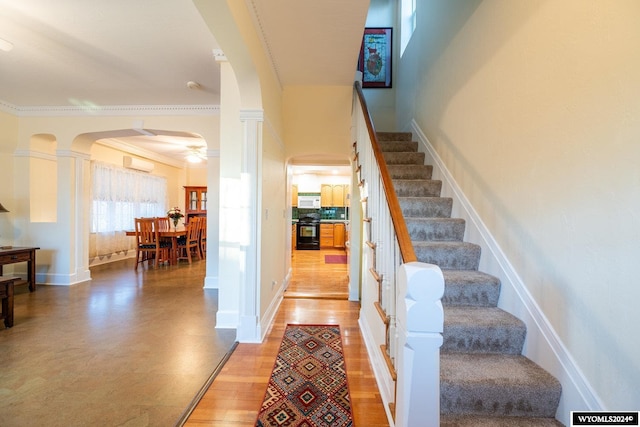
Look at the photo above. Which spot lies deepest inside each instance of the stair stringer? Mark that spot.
(542, 344)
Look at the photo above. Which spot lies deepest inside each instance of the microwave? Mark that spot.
(309, 202)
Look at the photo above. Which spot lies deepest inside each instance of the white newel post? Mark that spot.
(420, 321)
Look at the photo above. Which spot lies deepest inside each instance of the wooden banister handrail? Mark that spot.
(400, 227)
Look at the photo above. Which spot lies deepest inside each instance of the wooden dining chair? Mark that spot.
(190, 242)
(203, 236)
(149, 246)
(163, 223)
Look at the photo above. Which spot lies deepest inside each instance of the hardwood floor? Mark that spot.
(312, 277)
(129, 348)
(235, 396)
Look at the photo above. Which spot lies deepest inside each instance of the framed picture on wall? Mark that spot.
(375, 58)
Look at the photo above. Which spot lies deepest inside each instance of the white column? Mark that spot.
(82, 215)
(231, 224)
(249, 326)
(211, 280)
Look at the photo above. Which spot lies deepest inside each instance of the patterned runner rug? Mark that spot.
(308, 385)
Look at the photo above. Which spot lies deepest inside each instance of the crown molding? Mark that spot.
(110, 110)
(264, 40)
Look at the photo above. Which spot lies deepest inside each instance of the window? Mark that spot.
(118, 196)
(408, 22)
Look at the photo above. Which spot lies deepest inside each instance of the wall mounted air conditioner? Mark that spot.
(137, 164)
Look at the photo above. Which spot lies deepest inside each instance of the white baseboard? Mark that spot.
(211, 282)
(270, 313)
(543, 345)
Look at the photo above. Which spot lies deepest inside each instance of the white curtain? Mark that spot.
(119, 195)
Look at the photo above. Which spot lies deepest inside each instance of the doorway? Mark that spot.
(320, 203)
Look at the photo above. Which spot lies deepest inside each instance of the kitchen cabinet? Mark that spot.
(294, 195)
(332, 235)
(326, 195)
(293, 238)
(326, 235)
(195, 202)
(333, 195)
(338, 235)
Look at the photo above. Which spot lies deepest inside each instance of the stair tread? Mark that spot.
(445, 244)
(482, 330)
(469, 277)
(496, 384)
(398, 146)
(496, 369)
(426, 207)
(410, 171)
(435, 229)
(403, 158)
(448, 255)
(470, 288)
(487, 421)
(480, 316)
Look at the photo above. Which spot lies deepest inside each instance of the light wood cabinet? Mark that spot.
(195, 203)
(326, 235)
(332, 235)
(294, 195)
(293, 238)
(326, 195)
(333, 196)
(338, 196)
(338, 235)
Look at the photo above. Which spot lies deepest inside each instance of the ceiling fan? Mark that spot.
(195, 154)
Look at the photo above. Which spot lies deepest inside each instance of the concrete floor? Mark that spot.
(126, 349)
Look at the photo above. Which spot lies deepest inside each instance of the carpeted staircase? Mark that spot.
(484, 379)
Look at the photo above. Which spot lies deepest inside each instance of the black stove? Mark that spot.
(308, 232)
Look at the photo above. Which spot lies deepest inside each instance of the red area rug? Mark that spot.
(335, 259)
(308, 385)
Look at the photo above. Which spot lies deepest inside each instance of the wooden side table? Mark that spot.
(12, 255)
(6, 295)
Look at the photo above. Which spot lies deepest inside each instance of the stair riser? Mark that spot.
(481, 295)
(410, 171)
(435, 207)
(435, 229)
(394, 136)
(462, 256)
(478, 339)
(387, 146)
(418, 188)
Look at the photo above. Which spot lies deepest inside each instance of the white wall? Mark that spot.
(533, 107)
(312, 183)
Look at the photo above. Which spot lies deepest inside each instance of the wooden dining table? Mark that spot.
(173, 234)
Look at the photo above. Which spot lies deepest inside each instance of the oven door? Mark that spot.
(307, 231)
(308, 236)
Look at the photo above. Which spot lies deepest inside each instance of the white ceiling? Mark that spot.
(143, 52)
